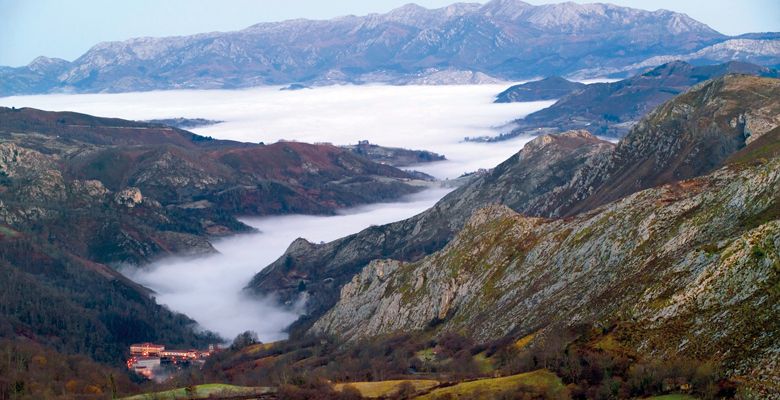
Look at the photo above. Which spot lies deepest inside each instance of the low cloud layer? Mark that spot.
(434, 118)
(209, 289)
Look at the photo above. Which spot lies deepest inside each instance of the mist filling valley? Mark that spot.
(434, 118)
(209, 289)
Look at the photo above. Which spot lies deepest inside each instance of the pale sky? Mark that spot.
(68, 28)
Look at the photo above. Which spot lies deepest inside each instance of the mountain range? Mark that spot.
(652, 261)
(463, 42)
(578, 268)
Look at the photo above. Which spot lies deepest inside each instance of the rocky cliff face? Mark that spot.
(557, 175)
(459, 43)
(686, 137)
(690, 268)
(544, 164)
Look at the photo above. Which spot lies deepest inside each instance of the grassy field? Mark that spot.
(385, 388)
(672, 397)
(484, 363)
(540, 379)
(524, 341)
(256, 348)
(6, 231)
(200, 392)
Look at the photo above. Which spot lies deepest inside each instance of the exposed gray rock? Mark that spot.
(689, 268)
(544, 164)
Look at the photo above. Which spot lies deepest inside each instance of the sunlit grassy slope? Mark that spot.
(540, 379)
(200, 392)
(386, 388)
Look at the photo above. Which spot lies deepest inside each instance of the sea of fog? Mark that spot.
(209, 289)
(434, 118)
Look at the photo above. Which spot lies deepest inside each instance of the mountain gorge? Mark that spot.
(506, 39)
(665, 245)
(539, 168)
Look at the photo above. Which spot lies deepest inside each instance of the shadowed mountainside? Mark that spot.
(550, 88)
(611, 109)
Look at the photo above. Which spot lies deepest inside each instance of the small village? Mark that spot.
(153, 360)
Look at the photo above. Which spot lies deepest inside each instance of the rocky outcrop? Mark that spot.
(553, 176)
(544, 164)
(129, 197)
(689, 136)
(687, 268)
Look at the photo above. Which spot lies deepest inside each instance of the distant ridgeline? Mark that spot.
(464, 43)
(611, 109)
(184, 123)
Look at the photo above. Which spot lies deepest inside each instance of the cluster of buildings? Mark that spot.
(149, 359)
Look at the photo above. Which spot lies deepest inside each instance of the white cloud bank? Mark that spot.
(209, 289)
(434, 118)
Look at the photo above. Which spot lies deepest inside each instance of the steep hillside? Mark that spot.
(543, 165)
(611, 109)
(552, 176)
(463, 43)
(686, 269)
(689, 136)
